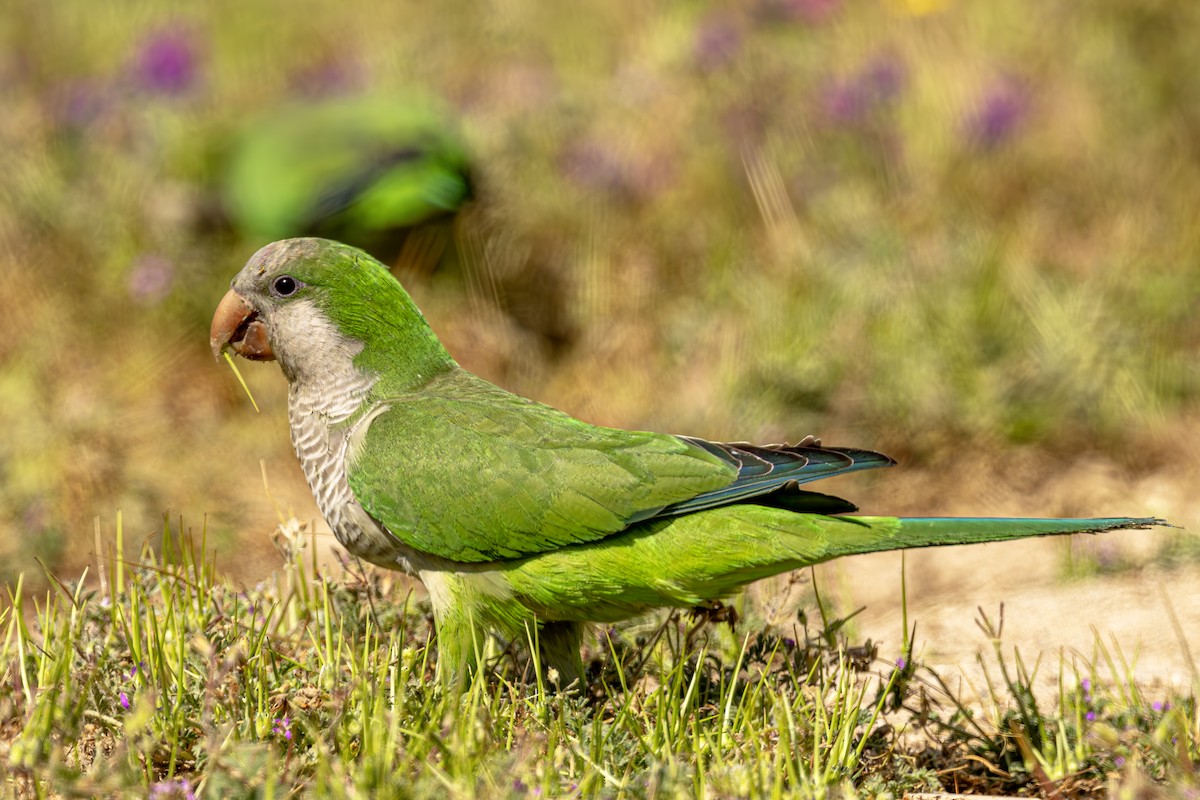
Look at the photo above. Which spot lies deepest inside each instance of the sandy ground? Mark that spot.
(1044, 614)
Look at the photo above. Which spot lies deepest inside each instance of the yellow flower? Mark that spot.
(919, 8)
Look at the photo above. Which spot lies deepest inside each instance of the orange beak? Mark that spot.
(236, 325)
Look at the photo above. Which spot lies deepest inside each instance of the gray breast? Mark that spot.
(326, 394)
(320, 434)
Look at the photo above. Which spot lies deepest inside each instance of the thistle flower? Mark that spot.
(167, 62)
(855, 98)
(1000, 114)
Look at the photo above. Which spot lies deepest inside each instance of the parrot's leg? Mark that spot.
(462, 647)
(461, 632)
(558, 647)
(466, 606)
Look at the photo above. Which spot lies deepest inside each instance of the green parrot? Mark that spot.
(518, 518)
(364, 169)
(389, 173)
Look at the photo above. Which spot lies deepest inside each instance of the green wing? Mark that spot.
(469, 472)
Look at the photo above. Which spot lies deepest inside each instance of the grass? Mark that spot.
(164, 680)
(925, 233)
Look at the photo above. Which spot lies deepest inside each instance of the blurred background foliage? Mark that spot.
(962, 232)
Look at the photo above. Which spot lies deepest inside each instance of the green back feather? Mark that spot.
(466, 471)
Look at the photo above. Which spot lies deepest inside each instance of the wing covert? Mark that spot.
(483, 478)
(469, 472)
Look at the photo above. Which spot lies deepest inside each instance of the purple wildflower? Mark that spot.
(885, 76)
(519, 786)
(167, 62)
(124, 699)
(999, 115)
(1090, 716)
(178, 789)
(80, 103)
(150, 281)
(901, 663)
(718, 41)
(1158, 705)
(283, 727)
(595, 166)
(844, 101)
(855, 98)
(1119, 761)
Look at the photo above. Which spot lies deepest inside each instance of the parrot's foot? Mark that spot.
(558, 646)
(715, 612)
(466, 607)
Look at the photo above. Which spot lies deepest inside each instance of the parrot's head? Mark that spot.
(318, 306)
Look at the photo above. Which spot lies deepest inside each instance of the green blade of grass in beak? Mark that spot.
(241, 380)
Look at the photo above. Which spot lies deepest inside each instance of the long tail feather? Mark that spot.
(689, 560)
(938, 531)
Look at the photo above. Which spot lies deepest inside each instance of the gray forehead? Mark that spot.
(277, 257)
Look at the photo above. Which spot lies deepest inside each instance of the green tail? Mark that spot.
(701, 557)
(937, 531)
(682, 562)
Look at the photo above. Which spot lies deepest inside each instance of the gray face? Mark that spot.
(267, 315)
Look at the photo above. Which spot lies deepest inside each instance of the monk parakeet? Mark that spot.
(519, 518)
(389, 173)
(363, 169)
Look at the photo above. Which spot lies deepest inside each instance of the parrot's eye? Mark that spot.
(285, 285)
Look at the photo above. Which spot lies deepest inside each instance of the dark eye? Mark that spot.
(285, 285)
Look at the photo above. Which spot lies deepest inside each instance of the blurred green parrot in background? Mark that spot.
(362, 169)
(518, 518)
(391, 174)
